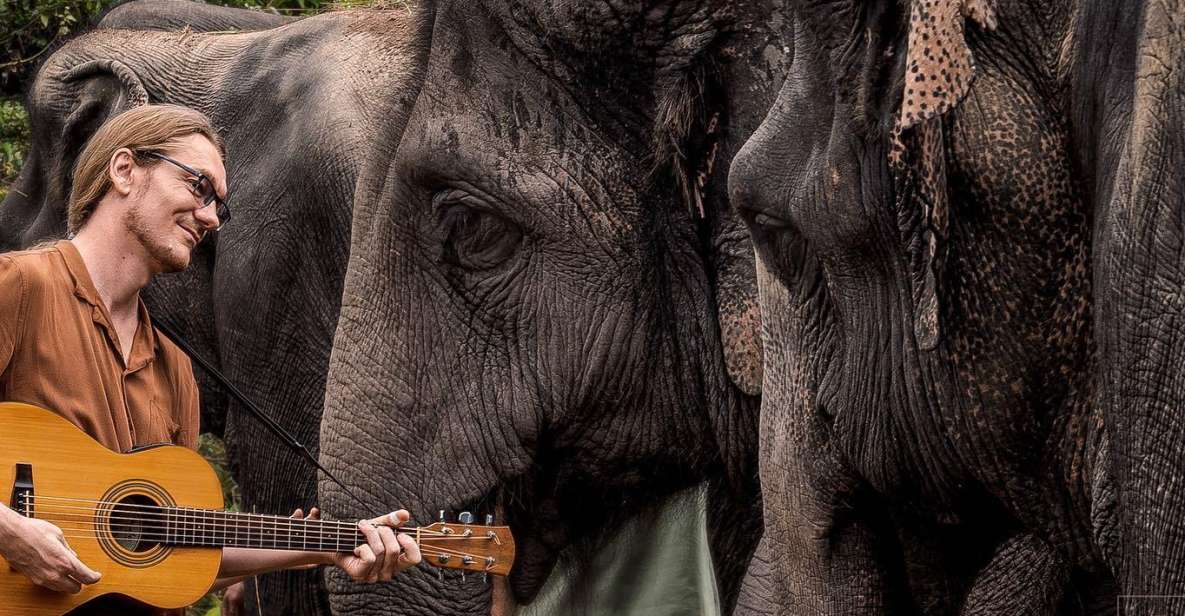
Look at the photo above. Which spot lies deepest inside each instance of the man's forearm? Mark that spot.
(242, 562)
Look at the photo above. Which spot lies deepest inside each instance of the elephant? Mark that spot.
(962, 211)
(711, 239)
(261, 297)
(186, 14)
(549, 311)
(1127, 117)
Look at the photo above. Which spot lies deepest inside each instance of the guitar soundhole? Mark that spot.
(130, 525)
(137, 524)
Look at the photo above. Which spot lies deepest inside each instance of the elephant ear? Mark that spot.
(69, 101)
(691, 146)
(736, 302)
(104, 87)
(938, 73)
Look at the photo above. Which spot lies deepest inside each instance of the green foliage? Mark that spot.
(14, 141)
(30, 29)
(214, 451)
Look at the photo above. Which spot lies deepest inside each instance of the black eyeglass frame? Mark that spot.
(221, 210)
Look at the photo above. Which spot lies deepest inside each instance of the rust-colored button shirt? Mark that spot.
(59, 350)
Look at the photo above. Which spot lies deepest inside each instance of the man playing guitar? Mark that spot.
(76, 337)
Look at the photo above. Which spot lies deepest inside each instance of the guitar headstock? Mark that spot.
(470, 547)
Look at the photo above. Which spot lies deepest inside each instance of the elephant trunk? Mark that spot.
(1126, 86)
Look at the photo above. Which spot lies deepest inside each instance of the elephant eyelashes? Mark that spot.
(472, 238)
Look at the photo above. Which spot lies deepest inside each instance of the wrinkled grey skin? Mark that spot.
(1128, 119)
(178, 14)
(1017, 462)
(532, 322)
(261, 297)
(715, 246)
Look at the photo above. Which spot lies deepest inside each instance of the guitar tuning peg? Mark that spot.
(465, 517)
(442, 516)
(485, 577)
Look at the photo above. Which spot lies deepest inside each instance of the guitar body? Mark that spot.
(70, 473)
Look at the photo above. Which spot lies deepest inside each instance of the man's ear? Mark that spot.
(938, 73)
(120, 168)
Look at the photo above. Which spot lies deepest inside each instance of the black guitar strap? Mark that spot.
(272, 425)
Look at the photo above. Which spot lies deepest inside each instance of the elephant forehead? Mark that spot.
(669, 31)
(529, 143)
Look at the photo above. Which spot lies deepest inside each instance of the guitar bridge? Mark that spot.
(22, 490)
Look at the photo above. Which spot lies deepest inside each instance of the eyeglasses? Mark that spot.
(201, 185)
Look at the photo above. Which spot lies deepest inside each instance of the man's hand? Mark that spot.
(38, 549)
(385, 552)
(233, 600)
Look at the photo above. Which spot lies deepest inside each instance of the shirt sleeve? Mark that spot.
(14, 296)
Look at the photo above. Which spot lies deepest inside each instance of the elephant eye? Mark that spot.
(473, 237)
(765, 221)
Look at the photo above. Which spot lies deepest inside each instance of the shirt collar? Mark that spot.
(84, 287)
(144, 344)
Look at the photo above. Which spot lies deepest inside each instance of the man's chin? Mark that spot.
(172, 261)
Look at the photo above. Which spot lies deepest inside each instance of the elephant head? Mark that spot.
(926, 433)
(548, 307)
(297, 106)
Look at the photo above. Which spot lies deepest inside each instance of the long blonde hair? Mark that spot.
(147, 128)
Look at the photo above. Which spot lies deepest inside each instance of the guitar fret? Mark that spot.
(197, 527)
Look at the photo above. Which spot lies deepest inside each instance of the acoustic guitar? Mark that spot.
(152, 521)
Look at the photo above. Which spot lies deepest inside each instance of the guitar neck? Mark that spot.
(207, 528)
(472, 547)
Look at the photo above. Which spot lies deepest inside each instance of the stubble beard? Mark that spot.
(167, 257)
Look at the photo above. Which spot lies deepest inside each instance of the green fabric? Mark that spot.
(658, 565)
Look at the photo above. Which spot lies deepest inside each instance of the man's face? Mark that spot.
(166, 214)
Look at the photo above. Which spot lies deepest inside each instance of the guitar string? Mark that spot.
(183, 523)
(182, 527)
(217, 515)
(309, 529)
(223, 519)
(335, 534)
(170, 528)
(34, 498)
(424, 551)
(338, 539)
(430, 550)
(91, 533)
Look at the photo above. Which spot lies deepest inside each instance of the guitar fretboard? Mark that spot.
(201, 527)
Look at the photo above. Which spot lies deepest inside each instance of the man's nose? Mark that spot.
(208, 216)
